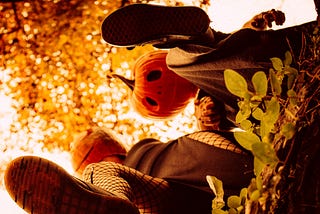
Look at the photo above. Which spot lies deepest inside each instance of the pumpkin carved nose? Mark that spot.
(154, 75)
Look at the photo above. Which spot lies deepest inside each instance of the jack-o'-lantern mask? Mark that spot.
(158, 92)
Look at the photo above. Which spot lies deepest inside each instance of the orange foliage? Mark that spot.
(57, 69)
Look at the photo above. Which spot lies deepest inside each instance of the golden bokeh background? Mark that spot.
(55, 68)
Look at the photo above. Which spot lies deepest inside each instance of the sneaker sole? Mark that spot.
(138, 24)
(40, 186)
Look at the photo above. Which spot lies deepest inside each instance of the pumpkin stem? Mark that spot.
(129, 83)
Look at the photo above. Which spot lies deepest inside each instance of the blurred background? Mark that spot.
(55, 68)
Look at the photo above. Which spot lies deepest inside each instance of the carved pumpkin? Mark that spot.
(158, 92)
(96, 145)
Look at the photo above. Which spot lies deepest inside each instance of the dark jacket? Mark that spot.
(185, 163)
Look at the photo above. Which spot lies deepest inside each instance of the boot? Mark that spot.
(40, 186)
(161, 26)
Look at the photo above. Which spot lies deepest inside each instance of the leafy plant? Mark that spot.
(259, 110)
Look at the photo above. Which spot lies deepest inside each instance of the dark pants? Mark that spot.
(245, 51)
(185, 163)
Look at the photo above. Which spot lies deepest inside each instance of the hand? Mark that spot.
(265, 19)
(207, 113)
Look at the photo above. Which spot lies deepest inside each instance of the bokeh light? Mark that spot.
(37, 108)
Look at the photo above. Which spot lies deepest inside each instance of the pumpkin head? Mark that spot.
(94, 146)
(158, 92)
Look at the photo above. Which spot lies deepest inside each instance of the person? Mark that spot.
(200, 54)
(157, 177)
(154, 177)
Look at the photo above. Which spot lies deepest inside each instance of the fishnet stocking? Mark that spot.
(216, 140)
(151, 195)
(148, 193)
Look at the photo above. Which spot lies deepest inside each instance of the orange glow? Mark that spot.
(17, 140)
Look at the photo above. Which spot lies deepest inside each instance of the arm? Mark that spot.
(207, 113)
(210, 113)
(264, 20)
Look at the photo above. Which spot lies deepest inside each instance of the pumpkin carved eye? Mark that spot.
(153, 75)
(151, 101)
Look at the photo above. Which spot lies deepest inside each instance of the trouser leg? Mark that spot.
(208, 75)
(245, 51)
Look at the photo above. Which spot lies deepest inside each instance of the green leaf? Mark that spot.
(247, 96)
(217, 188)
(272, 109)
(233, 211)
(265, 153)
(259, 182)
(290, 71)
(258, 114)
(275, 83)
(240, 117)
(216, 185)
(292, 97)
(252, 186)
(240, 209)
(277, 64)
(270, 117)
(288, 58)
(235, 83)
(255, 195)
(246, 125)
(255, 100)
(288, 130)
(260, 83)
(234, 201)
(258, 166)
(243, 195)
(244, 111)
(246, 139)
(219, 211)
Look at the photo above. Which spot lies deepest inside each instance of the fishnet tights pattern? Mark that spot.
(146, 192)
(216, 140)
